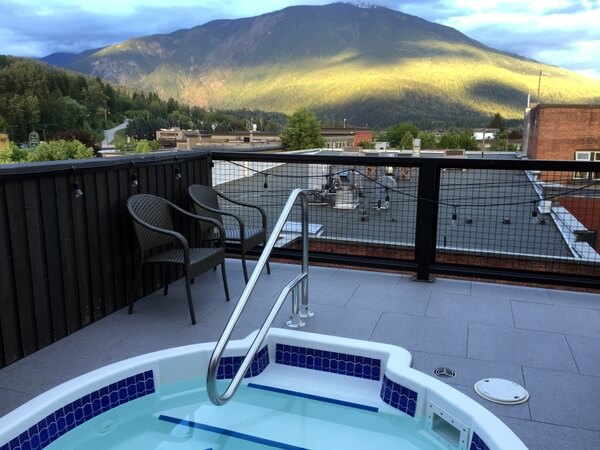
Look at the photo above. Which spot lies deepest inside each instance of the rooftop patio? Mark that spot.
(544, 339)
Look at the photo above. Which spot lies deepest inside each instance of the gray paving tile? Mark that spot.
(563, 398)
(341, 321)
(480, 309)
(330, 293)
(516, 411)
(425, 334)
(575, 299)
(10, 400)
(557, 319)
(451, 286)
(543, 436)
(511, 292)
(468, 371)
(586, 351)
(362, 276)
(388, 299)
(524, 347)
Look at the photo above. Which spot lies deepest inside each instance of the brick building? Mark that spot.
(567, 132)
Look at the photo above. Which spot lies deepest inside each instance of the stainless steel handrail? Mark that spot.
(297, 310)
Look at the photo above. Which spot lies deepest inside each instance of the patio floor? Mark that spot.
(544, 339)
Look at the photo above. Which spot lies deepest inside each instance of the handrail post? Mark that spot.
(296, 318)
(292, 286)
(305, 310)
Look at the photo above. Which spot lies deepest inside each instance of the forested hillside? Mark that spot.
(37, 97)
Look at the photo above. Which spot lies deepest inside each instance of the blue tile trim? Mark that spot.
(229, 365)
(314, 397)
(327, 361)
(398, 396)
(477, 443)
(226, 432)
(64, 419)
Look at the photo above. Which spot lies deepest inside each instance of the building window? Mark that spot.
(587, 156)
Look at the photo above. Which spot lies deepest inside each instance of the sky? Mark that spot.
(564, 33)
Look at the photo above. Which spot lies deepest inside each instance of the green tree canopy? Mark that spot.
(407, 141)
(498, 122)
(395, 133)
(303, 131)
(428, 140)
(57, 150)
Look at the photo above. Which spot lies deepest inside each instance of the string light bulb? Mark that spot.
(134, 180)
(177, 173)
(454, 217)
(77, 192)
(266, 184)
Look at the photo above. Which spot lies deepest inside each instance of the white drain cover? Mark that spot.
(501, 391)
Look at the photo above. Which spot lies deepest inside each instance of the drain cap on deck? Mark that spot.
(501, 391)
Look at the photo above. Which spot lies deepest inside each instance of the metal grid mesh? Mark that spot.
(492, 218)
(518, 219)
(353, 210)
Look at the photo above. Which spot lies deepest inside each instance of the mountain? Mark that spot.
(372, 66)
(63, 59)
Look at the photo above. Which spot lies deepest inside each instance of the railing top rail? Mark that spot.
(467, 163)
(211, 379)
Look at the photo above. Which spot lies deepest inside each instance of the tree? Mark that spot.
(58, 150)
(428, 140)
(497, 122)
(12, 154)
(395, 133)
(406, 142)
(303, 131)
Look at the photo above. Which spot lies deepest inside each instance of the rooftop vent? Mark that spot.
(506, 221)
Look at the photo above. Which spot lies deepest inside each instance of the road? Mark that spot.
(109, 135)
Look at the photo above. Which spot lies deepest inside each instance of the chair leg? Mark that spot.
(268, 268)
(244, 266)
(188, 288)
(225, 280)
(136, 280)
(166, 279)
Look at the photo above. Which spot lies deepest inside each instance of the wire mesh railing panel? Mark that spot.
(353, 209)
(518, 219)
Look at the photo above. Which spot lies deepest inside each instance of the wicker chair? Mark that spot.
(206, 203)
(160, 244)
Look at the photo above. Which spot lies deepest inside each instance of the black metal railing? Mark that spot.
(508, 219)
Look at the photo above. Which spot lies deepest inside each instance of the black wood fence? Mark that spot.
(67, 253)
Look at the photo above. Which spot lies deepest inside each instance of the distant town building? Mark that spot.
(564, 132)
(568, 132)
(485, 136)
(177, 138)
(340, 138)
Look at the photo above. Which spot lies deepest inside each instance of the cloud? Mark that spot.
(557, 32)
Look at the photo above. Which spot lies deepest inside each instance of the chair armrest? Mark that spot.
(214, 222)
(178, 236)
(222, 212)
(247, 205)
